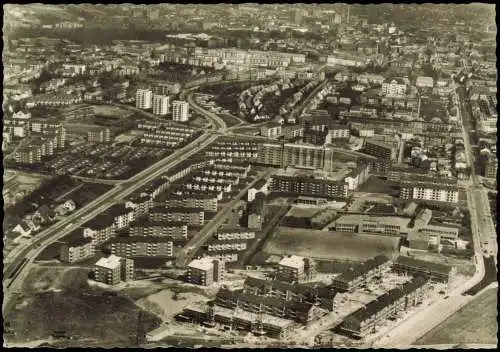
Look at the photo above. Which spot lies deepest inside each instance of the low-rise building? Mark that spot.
(384, 225)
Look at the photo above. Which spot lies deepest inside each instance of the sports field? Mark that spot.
(330, 245)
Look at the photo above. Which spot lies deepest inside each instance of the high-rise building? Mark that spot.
(143, 99)
(180, 110)
(161, 104)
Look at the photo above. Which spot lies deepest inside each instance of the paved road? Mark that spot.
(43, 239)
(477, 195)
(484, 240)
(189, 250)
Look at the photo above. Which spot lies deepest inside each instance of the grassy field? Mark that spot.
(79, 310)
(229, 120)
(108, 110)
(474, 323)
(329, 245)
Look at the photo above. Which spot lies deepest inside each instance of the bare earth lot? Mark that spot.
(476, 323)
(81, 310)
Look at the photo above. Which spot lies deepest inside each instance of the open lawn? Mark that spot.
(80, 310)
(330, 245)
(112, 111)
(229, 120)
(474, 323)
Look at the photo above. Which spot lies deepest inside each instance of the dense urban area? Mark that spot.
(250, 175)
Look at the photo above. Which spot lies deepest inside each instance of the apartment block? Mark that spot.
(300, 312)
(191, 216)
(99, 135)
(171, 230)
(359, 274)
(76, 251)
(271, 130)
(429, 191)
(416, 267)
(393, 304)
(161, 105)
(140, 246)
(379, 150)
(205, 201)
(101, 229)
(113, 270)
(205, 271)
(234, 234)
(143, 99)
(180, 110)
(309, 186)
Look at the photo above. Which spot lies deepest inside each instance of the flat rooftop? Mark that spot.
(292, 261)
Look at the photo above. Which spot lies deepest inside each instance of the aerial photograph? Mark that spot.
(250, 176)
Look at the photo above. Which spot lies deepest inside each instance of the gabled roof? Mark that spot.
(423, 265)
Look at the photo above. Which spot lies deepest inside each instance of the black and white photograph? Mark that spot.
(250, 175)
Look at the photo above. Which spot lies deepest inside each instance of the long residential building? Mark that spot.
(171, 230)
(205, 271)
(416, 267)
(304, 186)
(393, 304)
(300, 312)
(358, 275)
(137, 246)
(312, 292)
(191, 216)
(208, 202)
(425, 190)
(234, 234)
